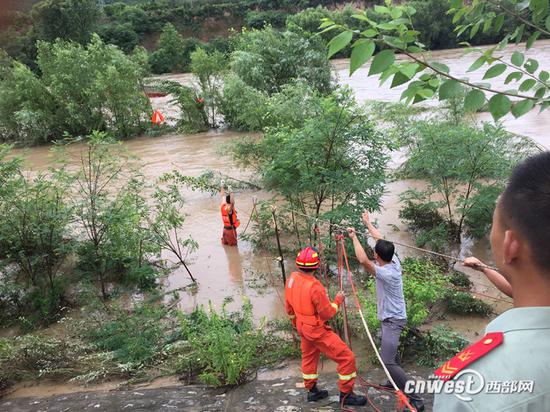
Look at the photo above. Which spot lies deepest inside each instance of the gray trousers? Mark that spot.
(391, 331)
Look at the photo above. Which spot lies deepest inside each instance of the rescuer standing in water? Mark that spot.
(229, 217)
(309, 307)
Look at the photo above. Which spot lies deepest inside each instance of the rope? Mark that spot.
(367, 234)
(402, 398)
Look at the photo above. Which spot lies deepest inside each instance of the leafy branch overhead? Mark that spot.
(393, 34)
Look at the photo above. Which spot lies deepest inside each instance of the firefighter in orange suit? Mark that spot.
(309, 307)
(230, 220)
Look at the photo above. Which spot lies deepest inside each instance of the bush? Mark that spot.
(226, 346)
(438, 345)
(260, 19)
(169, 55)
(268, 59)
(463, 303)
(136, 338)
(460, 279)
(465, 175)
(243, 106)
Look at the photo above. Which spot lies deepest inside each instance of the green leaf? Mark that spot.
(514, 76)
(517, 58)
(396, 13)
(398, 80)
(499, 105)
(408, 69)
(370, 33)
(499, 22)
(450, 88)
(477, 64)
(382, 61)
(381, 9)
(541, 91)
(531, 66)
(474, 30)
(361, 54)
(339, 42)
(532, 39)
(475, 99)
(522, 107)
(547, 23)
(527, 85)
(544, 76)
(538, 6)
(494, 71)
(440, 66)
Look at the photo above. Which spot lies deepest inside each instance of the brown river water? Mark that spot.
(225, 272)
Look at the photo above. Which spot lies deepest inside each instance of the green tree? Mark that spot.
(333, 166)
(268, 59)
(73, 20)
(165, 225)
(208, 68)
(34, 238)
(465, 175)
(114, 240)
(169, 55)
(80, 89)
(427, 78)
(121, 35)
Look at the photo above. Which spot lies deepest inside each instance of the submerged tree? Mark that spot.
(111, 210)
(165, 225)
(466, 169)
(333, 166)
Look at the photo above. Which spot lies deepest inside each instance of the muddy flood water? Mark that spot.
(225, 272)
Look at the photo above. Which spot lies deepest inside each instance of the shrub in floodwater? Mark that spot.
(460, 279)
(135, 337)
(227, 347)
(436, 346)
(34, 225)
(463, 303)
(268, 59)
(464, 175)
(423, 286)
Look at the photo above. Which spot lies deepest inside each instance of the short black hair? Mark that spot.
(227, 198)
(525, 205)
(307, 270)
(385, 250)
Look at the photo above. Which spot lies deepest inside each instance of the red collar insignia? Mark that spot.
(472, 353)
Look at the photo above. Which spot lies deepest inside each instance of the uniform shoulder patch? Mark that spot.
(472, 353)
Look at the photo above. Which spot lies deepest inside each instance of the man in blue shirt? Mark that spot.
(391, 309)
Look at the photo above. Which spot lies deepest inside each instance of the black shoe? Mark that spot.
(352, 399)
(315, 394)
(418, 405)
(387, 385)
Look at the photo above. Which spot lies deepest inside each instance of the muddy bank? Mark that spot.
(276, 390)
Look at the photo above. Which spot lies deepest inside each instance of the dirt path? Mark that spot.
(273, 390)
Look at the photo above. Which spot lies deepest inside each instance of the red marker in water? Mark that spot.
(157, 118)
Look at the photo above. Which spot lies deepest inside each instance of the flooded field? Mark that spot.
(225, 272)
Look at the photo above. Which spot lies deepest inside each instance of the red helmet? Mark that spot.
(308, 258)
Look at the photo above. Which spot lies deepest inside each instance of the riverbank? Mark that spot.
(278, 389)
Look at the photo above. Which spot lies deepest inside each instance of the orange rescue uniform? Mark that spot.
(230, 224)
(309, 307)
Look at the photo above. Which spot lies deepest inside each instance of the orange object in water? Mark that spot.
(229, 217)
(308, 306)
(157, 118)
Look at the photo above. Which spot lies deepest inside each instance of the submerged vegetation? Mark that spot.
(85, 235)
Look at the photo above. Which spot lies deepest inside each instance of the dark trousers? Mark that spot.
(391, 331)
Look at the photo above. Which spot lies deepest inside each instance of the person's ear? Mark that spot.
(512, 247)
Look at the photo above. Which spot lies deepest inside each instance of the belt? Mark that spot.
(228, 227)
